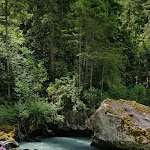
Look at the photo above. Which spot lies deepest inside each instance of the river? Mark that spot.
(59, 143)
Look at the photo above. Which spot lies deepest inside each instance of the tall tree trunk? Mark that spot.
(92, 61)
(102, 83)
(7, 51)
(91, 75)
(86, 47)
(147, 81)
(129, 19)
(80, 45)
(52, 58)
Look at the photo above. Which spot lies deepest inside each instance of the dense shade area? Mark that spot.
(59, 143)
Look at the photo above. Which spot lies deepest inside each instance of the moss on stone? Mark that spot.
(135, 132)
(142, 140)
(7, 133)
(141, 108)
(120, 107)
(136, 106)
(141, 134)
(110, 110)
(130, 114)
(7, 128)
(128, 122)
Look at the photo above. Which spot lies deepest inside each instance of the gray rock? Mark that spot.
(122, 125)
(75, 120)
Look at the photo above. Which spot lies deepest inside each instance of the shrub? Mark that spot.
(138, 93)
(7, 115)
(92, 97)
(65, 93)
(119, 92)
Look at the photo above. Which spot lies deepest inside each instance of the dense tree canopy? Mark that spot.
(58, 55)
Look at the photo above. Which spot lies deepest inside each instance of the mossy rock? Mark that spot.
(126, 124)
(7, 128)
(6, 135)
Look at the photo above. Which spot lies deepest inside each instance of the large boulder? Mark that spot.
(121, 125)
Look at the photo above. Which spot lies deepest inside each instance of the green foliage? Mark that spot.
(38, 112)
(104, 42)
(100, 54)
(3, 75)
(134, 25)
(29, 81)
(138, 93)
(32, 112)
(92, 98)
(105, 95)
(148, 96)
(16, 11)
(8, 115)
(119, 92)
(144, 63)
(65, 93)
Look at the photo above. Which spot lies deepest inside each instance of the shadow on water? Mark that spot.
(59, 143)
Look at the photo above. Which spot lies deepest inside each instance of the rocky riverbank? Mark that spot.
(73, 125)
(121, 125)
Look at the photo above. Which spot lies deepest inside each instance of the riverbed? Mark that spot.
(59, 143)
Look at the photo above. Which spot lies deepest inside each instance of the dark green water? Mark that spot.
(60, 143)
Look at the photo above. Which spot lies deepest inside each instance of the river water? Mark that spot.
(59, 143)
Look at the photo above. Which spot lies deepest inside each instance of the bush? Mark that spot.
(30, 113)
(92, 97)
(8, 115)
(38, 112)
(65, 93)
(104, 96)
(138, 93)
(119, 92)
(148, 96)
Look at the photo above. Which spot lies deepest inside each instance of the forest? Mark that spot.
(60, 55)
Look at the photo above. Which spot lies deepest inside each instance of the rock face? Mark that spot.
(6, 137)
(73, 125)
(121, 125)
(75, 121)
